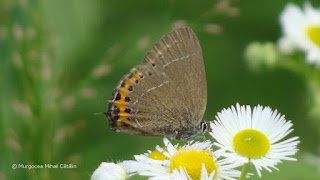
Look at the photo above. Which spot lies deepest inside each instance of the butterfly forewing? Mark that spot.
(166, 93)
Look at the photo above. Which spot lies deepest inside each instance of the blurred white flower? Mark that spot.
(286, 46)
(259, 55)
(109, 171)
(301, 30)
(192, 161)
(254, 136)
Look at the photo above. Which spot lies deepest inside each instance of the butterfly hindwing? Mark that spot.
(166, 93)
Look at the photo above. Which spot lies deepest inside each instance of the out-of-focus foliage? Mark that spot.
(60, 60)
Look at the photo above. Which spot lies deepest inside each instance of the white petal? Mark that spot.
(109, 171)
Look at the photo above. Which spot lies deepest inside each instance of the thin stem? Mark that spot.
(244, 171)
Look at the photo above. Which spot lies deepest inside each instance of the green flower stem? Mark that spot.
(244, 171)
(311, 75)
(301, 68)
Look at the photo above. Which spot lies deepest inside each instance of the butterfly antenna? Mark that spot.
(99, 113)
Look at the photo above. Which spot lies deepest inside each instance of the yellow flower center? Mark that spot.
(192, 162)
(156, 155)
(251, 143)
(314, 34)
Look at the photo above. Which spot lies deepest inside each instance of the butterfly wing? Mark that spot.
(166, 93)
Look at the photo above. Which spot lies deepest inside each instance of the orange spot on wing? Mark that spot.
(137, 76)
(124, 114)
(124, 89)
(122, 107)
(121, 102)
(125, 120)
(122, 99)
(127, 84)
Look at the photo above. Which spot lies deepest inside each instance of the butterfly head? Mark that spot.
(191, 133)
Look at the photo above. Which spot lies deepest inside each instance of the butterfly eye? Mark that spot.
(203, 126)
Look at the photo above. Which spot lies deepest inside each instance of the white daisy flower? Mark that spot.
(301, 30)
(254, 136)
(109, 171)
(192, 161)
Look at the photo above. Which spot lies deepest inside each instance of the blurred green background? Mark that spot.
(60, 60)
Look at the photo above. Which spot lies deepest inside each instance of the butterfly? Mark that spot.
(167, 94)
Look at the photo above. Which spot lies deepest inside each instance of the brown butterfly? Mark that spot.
(167, 94)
